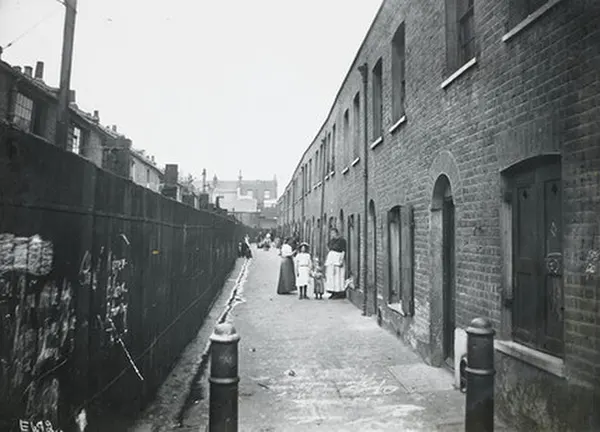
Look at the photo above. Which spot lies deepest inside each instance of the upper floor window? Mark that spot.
(460, 33)
(377, 100)
(356, 125)
(346, 134)
(333, 148)
(148, 175)
(23, 116)
(250, 193)
(310, 183)
(75, 140)
(267, 195)
(398, 74)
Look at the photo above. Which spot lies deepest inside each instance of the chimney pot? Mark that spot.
(39, 70)
(71, 96)
(114, 128)
(96, 115)
(28, 70)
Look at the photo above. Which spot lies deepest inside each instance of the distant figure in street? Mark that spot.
(287, 275)
(317, 279)
(267, 242)
(303, 266)
(245, 249)
(334, 266)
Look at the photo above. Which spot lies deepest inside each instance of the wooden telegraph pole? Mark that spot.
(62, 121)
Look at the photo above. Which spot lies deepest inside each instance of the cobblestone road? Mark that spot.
(320, 365)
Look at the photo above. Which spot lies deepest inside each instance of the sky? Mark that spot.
(222, 85)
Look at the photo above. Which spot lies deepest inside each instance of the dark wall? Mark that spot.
(94, 268)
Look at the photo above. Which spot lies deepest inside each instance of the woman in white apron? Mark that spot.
(334, 266)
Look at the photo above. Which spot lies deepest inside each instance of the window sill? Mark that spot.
(355, 161)
(332, 173)
(345, 170)
(543, 361)
(396, 307)
(319, 184)
(396, 125)
(315, 186)
(376, 142)
(529, 20)
(327, 177)
(468, 65)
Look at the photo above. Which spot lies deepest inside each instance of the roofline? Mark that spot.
(337, 95)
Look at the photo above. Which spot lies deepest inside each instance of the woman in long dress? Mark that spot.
(334, 266)
(287, 275)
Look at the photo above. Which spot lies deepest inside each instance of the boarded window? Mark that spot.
(400, 257)
(537, 304)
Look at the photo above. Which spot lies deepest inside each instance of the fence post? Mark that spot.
(223, 411)
(480, 371)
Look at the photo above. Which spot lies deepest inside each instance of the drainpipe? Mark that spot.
(323, 222)
(364, 70)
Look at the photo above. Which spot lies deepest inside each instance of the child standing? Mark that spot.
(303, 269)
(318, 276)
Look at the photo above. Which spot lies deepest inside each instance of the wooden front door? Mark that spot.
(537, 306)
(449, 293)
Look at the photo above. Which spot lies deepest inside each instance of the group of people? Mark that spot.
(299, 270)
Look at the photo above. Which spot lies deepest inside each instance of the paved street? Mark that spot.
(320, 365)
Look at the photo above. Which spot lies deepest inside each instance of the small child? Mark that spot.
(303, 270)
(317, 275)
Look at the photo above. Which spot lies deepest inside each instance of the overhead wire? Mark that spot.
(29, 30)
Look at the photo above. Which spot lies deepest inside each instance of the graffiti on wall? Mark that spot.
(37, 323)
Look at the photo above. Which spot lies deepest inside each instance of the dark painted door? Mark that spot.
(448, 283)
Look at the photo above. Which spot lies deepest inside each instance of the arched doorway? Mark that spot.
(372, 263)
(443, 270)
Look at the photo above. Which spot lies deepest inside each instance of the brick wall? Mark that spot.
(536, 93)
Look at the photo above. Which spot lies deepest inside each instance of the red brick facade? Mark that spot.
(525, 97)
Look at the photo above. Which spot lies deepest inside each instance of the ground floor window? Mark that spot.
(536, 302)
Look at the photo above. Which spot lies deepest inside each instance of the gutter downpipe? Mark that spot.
(323, 222)
(364, 70)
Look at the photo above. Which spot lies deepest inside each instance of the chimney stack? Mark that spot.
(17, 68)
(28, 70)
(114, 128)
(72, 96)
(96, 115)
(39, 70)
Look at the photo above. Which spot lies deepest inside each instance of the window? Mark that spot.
(356, 125)
(132, 170)
(148, 175)
(520, 9)
(328, 147)
(460, 33)
(310, 183)
(346, 136)
(398, 74)
(537, 291)
(333, 149)
(377, 100)
(75, 139)
(23, 116)
(317, 162)
(267, 195)
(400, 258)
(250, 192)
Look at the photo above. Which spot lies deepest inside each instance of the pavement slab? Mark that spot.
(319, 365)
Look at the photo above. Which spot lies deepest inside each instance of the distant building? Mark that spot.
(249, 200)
(144, 171)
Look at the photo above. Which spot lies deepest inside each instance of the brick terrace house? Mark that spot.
(466, 135)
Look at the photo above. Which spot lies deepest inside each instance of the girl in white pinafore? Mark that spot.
(303, 268)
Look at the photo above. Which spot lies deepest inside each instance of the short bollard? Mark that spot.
(480, 376)
(223, 411)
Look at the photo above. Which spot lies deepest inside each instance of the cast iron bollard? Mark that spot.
(223, 412)
(480, 376)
